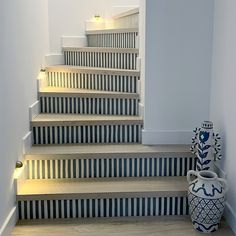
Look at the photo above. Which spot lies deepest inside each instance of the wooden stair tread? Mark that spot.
(103, 187)
(58, 91)
(101, 49)
(65, 151)
(96, 70)
(112, 31)
(75, 119)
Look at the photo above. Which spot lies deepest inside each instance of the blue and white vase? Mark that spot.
(206, 197)
(205, 146)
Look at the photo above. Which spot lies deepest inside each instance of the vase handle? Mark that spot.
(191, 172)
(223, 183)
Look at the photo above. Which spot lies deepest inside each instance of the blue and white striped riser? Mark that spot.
(93, 78)
(75, 101)
(115, 38)
(106, 207)
(117, 58)
(107, 167)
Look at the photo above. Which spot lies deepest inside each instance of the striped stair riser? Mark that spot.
(115, 167)
(101, 59)
(103, 82)
(115, 207)
(103, 106)
(87, 134)
(114, 40)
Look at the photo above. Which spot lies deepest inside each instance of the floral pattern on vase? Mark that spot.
(206, 147)
(206, 197)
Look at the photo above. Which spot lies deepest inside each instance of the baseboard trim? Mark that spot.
(166, 137)
(33, 110)
(74, 41)
(9, 223)
(124, 11)
(141, 109)
(230, 216)
(27, 142)
(54, 59)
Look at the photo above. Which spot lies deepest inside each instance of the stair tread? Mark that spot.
(85, 118)
(85, 92)
(67, 149)
(112, 31)
(145, 186)
(94, 69)
(101, 49)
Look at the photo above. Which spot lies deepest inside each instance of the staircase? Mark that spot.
(87, 159)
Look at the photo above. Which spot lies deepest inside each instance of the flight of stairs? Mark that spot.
(87, 159)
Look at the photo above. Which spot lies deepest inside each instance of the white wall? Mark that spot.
(24, 41)
(67, 17)
(177, 73)
(223, 109)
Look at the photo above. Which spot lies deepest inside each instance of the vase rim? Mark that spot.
(207, 175)
(207, 124)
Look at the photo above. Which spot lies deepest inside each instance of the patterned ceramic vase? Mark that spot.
(206, 197)
(206, 146)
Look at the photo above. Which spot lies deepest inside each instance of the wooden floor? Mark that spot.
(163, 226)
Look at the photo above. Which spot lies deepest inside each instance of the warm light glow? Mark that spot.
(19, 171)
(98, 19)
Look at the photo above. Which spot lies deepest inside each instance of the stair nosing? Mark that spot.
(101, 49)
(67, 119)
(94, 70)
(87, 93)
(93, 151)
(111, 31)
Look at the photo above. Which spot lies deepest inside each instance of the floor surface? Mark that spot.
(152, 226)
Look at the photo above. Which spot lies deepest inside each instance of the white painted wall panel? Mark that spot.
(177, 68)
(24, 42)
(223, 85)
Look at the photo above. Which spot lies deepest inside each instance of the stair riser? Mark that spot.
(114, 40)
(90, 208)
(102, 106)
(102, 59)
(115, 167)
(87, 134)
(103, 82)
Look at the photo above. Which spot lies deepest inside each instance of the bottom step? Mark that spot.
(53, 199)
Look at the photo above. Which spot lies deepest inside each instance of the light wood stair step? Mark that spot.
(103, 188)
(92, 70)
(101, 49)
(85, 93)
(96, 161)
(70, 119)
(112, 31)
(66, 151)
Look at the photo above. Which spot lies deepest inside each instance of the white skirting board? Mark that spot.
(230, 216)
(54, 59)
(33, 110)
(10, 222)
(119, 11)
(141, 110)
(74, 41)
(150, 137)
(27, 142)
